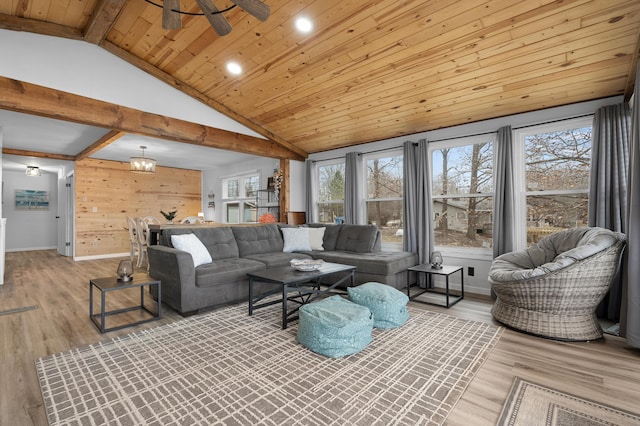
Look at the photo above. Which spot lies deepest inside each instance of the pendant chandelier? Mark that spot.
(33, 171)
(143, 164)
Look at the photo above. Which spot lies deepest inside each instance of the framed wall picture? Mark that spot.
(32, 199)
(271, 183)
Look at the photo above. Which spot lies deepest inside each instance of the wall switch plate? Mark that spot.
(471, 271)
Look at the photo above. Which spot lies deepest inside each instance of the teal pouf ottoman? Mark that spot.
(387, 304)
(334, 327)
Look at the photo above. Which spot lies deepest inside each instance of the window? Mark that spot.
(239, 197)
(556, 159)
(331, 193)
(384, 174)
(462, 192)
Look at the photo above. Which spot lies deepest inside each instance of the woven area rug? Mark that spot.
(529, 404)
(225, 367)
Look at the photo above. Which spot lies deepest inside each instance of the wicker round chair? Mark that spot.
(552, 288)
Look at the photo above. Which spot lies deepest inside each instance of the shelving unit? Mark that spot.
(266, 202)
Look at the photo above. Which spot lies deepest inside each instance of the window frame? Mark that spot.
(519, 152)
(318, 201)
(397, 152)
(243, 200)
(474, 252)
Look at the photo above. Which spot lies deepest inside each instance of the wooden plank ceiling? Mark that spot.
(370, 70)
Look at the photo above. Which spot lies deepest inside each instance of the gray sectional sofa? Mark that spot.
(238, 250)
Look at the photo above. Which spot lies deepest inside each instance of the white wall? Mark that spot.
(30, 229)
(76, 66)
(297, 186)
(478, 259)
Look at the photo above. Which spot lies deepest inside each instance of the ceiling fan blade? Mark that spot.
(255, 7)
(171, 19)
(217, 21)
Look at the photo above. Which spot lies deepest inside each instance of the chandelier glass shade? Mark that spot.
(142, 164)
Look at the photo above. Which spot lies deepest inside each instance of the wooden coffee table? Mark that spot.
(296, 286)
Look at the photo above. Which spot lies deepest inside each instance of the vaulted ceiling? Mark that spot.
(369, 70)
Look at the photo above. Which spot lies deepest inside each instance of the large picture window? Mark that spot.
(239, 197)
(384, 195)
(556, 159)
(462, 192)
(331, 192)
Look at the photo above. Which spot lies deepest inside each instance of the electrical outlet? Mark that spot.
(94, 209)
(471, 271)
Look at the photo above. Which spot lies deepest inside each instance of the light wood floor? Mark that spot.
(58, 288)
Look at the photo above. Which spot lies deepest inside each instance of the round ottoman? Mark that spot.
(387, 304)
(334, 327)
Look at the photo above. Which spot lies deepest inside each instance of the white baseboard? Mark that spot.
(30, 249)
(101, 256)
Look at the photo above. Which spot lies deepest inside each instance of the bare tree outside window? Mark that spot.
(384, 196)
(331, 193)
(462, 189)
(557, 167)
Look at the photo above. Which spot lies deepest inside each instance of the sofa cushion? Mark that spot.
(330, 234)
(258, 239)
(192, 245)
(226, 271)
(357, 238)
(277, 259)
(219, 241)
(381, 263)
(295, 239)
(316, 238)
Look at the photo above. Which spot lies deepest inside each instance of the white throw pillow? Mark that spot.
(296, 239)
(192, 244)
(316, 237)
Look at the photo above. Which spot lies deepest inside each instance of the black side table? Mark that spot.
(106, 285)
(446, 271)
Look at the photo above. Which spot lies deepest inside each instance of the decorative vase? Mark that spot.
(170, 222)
(125, 270)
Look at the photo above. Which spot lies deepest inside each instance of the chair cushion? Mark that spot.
(387, 304)
(335, 327)
(550, 254)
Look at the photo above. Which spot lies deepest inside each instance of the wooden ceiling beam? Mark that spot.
(107, 139)
(14, 23)
(102, 19)
(185, 88)
(29, 98)
(22, 152)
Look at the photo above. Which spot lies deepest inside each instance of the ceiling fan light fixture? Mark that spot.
(32, 171)
(142, 164)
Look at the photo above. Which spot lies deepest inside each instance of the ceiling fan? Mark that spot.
(171, 13)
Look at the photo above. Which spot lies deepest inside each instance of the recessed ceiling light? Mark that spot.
(234, 68)
(304, 25)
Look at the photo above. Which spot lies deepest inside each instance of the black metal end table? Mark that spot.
(106, 285)
(446, 271)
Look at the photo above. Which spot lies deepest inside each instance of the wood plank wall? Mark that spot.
(109, 188)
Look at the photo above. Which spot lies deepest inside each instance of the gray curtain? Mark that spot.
(504, 203)
(417, 216)
(608, 184)
(353, 175)
(630, 312)
(310, 183)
